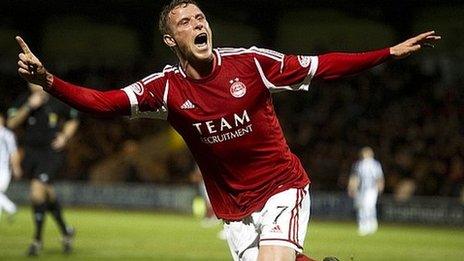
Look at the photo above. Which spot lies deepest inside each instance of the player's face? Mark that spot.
(190, 33)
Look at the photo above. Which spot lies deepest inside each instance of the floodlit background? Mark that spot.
(410, 111)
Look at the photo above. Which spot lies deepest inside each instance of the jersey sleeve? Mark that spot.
(104, 103)
(337, 65)
(281, 72)
(148, 97)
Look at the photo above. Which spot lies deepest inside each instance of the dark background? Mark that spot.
(409, 111)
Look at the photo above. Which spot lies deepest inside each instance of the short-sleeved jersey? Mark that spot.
(368, 171)
(228, 121)
(43, 123)
(7, 147)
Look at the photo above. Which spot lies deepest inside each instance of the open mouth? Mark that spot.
(201, 40)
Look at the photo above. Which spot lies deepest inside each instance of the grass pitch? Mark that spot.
(131, 235)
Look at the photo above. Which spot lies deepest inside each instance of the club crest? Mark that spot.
(237, 88)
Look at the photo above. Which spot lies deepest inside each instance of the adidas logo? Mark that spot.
(276, 229)
(187, 105)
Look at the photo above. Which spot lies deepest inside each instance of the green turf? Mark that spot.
(129, 235)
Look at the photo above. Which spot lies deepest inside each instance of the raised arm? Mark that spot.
(84, 99)
(336, 65)
(69, 129)
(19, 115)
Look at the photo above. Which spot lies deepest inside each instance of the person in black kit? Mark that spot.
(48, 125)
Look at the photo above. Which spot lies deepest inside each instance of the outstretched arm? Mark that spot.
(84, 99)
(108, 103)
(19, 115)
(336, 65)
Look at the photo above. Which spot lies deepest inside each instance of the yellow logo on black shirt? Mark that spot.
(52, 120)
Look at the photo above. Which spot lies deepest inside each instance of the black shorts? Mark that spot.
(43, 164)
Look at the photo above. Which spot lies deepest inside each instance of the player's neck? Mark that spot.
(198, 69)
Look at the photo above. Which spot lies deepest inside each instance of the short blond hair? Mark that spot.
(164, 15)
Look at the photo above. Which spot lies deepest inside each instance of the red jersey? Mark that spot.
(228, 121)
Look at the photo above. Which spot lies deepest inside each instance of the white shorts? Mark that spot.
(283, 221)
(366, 199)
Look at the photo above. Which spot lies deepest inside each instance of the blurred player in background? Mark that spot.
(209, 218)
(365, 184)
(9, 163)
(48, 125)
(219, 100)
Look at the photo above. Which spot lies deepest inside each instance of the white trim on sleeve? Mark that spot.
(161, 113)
(165, 94)
(132, 99)
(303, 86)
(313, 67)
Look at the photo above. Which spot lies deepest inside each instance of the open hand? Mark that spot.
(414, 44)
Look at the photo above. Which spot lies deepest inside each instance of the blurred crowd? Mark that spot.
(410, 113)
